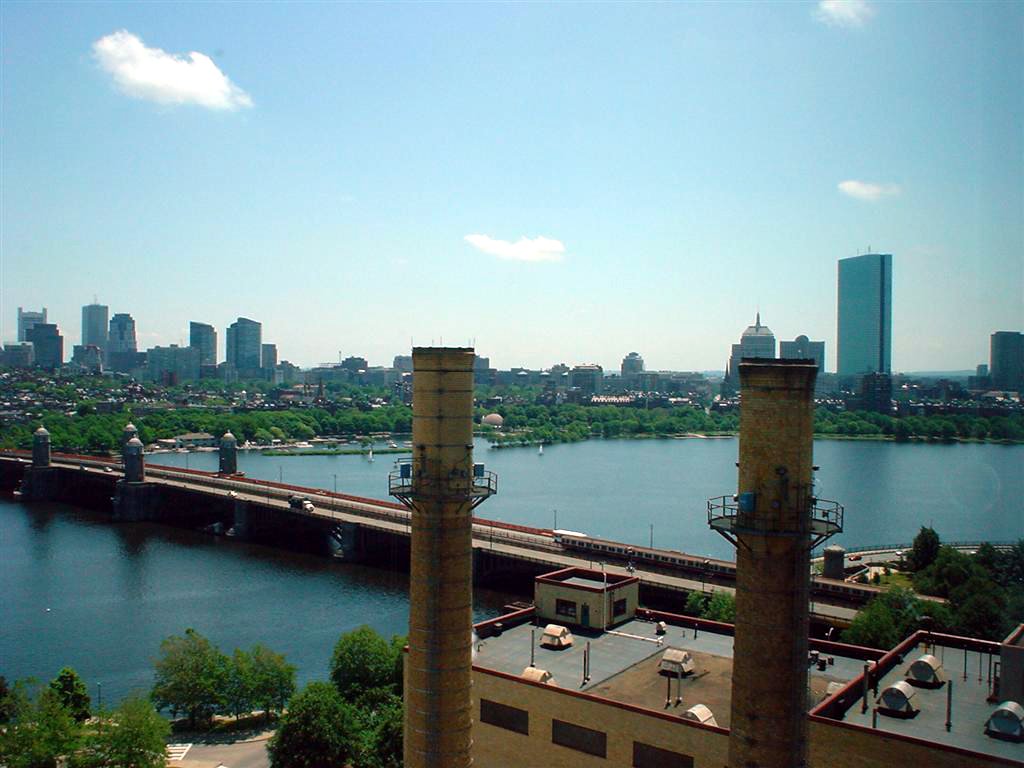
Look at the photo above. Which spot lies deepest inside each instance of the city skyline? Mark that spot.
(489, 174)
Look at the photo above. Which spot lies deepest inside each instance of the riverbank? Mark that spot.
(333, 451)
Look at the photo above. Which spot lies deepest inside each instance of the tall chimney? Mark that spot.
(774, 520)
(441, 487)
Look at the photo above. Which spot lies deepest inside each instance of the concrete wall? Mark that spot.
(495, 747)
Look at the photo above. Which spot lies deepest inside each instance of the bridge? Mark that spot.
(349, 527)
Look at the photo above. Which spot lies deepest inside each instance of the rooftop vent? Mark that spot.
(537, 675)
(926, 672)
(676, 661)
(556, 636)
(895, 701)
(699, 713)
(1007, 722)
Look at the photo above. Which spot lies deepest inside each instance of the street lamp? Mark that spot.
(335, 485)
(703, 574)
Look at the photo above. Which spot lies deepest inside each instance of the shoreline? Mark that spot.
(725, 435)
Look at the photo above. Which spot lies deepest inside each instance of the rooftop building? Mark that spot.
(27, 320)
(244, 345)
(756, 341)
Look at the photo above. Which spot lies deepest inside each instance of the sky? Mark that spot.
(548, 182)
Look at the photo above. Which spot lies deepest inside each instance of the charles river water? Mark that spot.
(76, 590)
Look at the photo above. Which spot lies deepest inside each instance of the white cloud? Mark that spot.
(166, 78)
(524, 249)
(845, 13)
(868, 191)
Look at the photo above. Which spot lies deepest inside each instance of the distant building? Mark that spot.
(403, 363)
(244, 345)
(122, 348)
(88, 357)
(203, 337)
(481, 363)
(802, 348)
(94, 325)
(172, 365)
(588, 379)
(355, 364)
(865, 314)
(1007, 360)
(875, 394)
(632, 364)
(47, 345)
(18, 355)
(27, 320)
(268, 356)
(757, 341)
(980, 379)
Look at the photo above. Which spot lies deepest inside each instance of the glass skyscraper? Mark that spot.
(865, 314)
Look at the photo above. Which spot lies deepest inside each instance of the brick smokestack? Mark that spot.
(773, 532)
(438, 669)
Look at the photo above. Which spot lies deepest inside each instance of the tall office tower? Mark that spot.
(204, 338)
(1006, 361)
(94, 325)
(802, 348)
(757, 341)
(121, 337)
(26, 320)
(632, 364)
(172, 365)
(122, 349)
(47, 345)
(244, 341)
(865, 314)
(268, 356)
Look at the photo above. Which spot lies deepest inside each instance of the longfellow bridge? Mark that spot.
(367, 530)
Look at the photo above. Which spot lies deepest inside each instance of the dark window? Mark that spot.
(619, 608)
(646, 756)
(565, 608)
(577, 737)
(504, 716)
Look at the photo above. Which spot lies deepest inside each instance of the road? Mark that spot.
(241, 754)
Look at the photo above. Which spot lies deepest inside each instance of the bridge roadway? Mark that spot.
(518, 542)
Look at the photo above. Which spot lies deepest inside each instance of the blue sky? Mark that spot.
(359, 176)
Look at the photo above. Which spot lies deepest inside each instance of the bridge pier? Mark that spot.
(135, 502)
(344, 541)
(240, 528)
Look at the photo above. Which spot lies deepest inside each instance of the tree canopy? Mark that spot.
(191, 676)
(319, 730)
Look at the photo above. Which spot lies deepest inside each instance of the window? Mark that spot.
(619, 607)
(504, 716)
(565, 608)
(579, 738)
(646, 756)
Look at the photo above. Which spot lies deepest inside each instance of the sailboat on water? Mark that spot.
(369, 456)
(540, 449)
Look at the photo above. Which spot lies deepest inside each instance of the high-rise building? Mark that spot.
(18, 355)
(802, 348)
(757, 341)
(88, 357)
(268, 356)
(1006, 361)
(47, 345)
(122, 352)
(244, 345)
(94, 325)
(632, 364)
(172, 365)
(203, 337)
(865, 314)
(26, 321)
(403, 363)
(588, 379)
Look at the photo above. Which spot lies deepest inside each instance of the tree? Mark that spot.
(191, 675)
(925, 549)
(319, 730)
(362, 660)
(40, 731)
(238, 687)
(721, 607)
(6, 704)
(133, 736)
(73, 693)
(273, 679)
(696, 602)
(381, 733)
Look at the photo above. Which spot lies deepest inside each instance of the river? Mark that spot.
(79, 591)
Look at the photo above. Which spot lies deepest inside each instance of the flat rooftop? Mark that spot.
(970, 706)
(624, 665)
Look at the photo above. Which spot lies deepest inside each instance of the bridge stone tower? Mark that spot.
(441, 486)
(129, 431)
(40, 448)
(134, 464)
(228, 455)
(774, 521)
